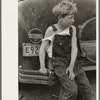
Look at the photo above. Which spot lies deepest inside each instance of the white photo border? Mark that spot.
(9, 37)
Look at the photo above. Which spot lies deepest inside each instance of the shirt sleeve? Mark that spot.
(50, 38)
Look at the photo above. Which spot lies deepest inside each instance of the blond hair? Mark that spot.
(64, 8)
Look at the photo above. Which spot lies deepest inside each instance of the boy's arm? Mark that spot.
(42, 54)
(43, 48)
(74, 48)
(73, 55)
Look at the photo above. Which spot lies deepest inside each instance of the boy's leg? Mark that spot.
(84, 86)
(68, 90)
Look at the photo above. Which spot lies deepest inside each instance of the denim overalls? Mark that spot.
(61, 59)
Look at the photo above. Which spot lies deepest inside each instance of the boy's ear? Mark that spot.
(59, 17)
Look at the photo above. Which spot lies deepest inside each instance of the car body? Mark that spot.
(34, 17)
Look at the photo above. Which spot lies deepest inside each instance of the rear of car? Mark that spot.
(34, 17)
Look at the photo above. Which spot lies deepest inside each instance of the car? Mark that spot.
(34, 17)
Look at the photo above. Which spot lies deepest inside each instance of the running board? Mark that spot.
(89, 68)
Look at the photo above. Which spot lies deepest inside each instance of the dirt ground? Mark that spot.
(43, 92)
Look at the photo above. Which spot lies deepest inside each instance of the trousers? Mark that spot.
(69, 88)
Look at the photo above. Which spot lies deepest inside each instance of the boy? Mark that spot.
(60, 43)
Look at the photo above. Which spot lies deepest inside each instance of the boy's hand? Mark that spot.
(43, 70)
(71, 73)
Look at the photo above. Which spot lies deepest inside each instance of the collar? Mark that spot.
(65, 32)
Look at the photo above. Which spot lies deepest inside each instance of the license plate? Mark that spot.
(30, 50)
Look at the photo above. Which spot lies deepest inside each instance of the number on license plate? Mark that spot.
(30, 49)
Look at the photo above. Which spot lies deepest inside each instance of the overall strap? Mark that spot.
(71, 31)
(54, 28)
(78, 42)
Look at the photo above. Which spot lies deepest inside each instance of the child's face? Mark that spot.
(67, 21)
